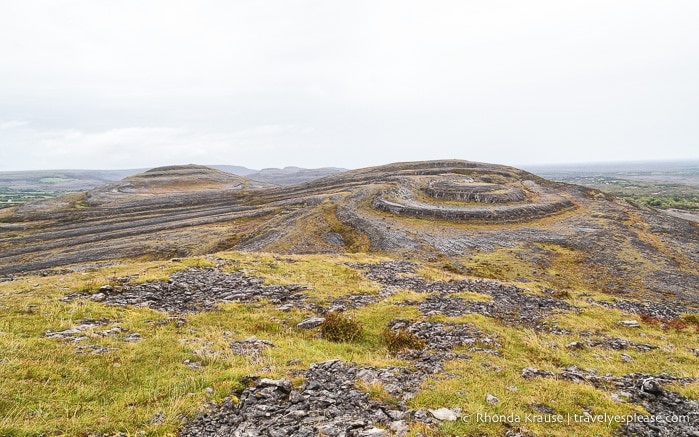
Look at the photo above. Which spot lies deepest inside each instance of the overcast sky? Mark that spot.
(131, 84)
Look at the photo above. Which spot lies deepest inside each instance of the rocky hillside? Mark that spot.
(479, 219)
(444, 298)
(355, 345)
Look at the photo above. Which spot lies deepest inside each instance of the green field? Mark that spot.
(12, 198)
(655, 194)
(658, 185)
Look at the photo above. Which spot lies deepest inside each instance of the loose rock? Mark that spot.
(444, 414)
(642, 389)
(328, 402)
(629, 323)
(311, 322)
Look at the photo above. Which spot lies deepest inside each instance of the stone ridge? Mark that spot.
(401, 200)
(470, 191)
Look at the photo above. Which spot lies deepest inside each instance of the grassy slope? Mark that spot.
(45, 387)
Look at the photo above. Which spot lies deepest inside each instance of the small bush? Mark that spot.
(339, 328)
(692, 319)
(401, 340)
(650, 320)
(676, 324)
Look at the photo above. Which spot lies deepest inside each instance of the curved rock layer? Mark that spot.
(515, 201)
(469, 191)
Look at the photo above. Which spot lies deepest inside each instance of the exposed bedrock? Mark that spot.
(457, 197)
(497, 214)
(466, 190)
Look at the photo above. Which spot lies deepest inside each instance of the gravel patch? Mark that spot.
(328, 402)
(195, 290)
(511, 304)
(653, 309)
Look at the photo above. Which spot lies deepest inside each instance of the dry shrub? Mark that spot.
(650, 320)
(339, 328)
(692, 320)
(400, 340)
(676, 324)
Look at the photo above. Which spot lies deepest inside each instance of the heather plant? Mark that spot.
(339, 328)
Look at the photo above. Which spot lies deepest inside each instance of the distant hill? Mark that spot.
(235, 169)
(61, 180)
(171, 181)
(292, 175)
(82, 180)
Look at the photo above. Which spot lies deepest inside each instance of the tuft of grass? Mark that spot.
(397, 341)
(327, 275)
(377, 392)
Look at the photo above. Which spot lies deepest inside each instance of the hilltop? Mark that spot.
(381, 301)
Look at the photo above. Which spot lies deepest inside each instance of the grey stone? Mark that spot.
(327, 402)
(311, 322)
(399, 428)
(444, 414)
(373, 432)
(575, 345)
(133, 337)
(195, 290)
(627, 358)
(616, 398)
(629, 323)
(490, 399)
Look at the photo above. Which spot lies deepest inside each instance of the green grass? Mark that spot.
(46, 388)
(12, 197)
